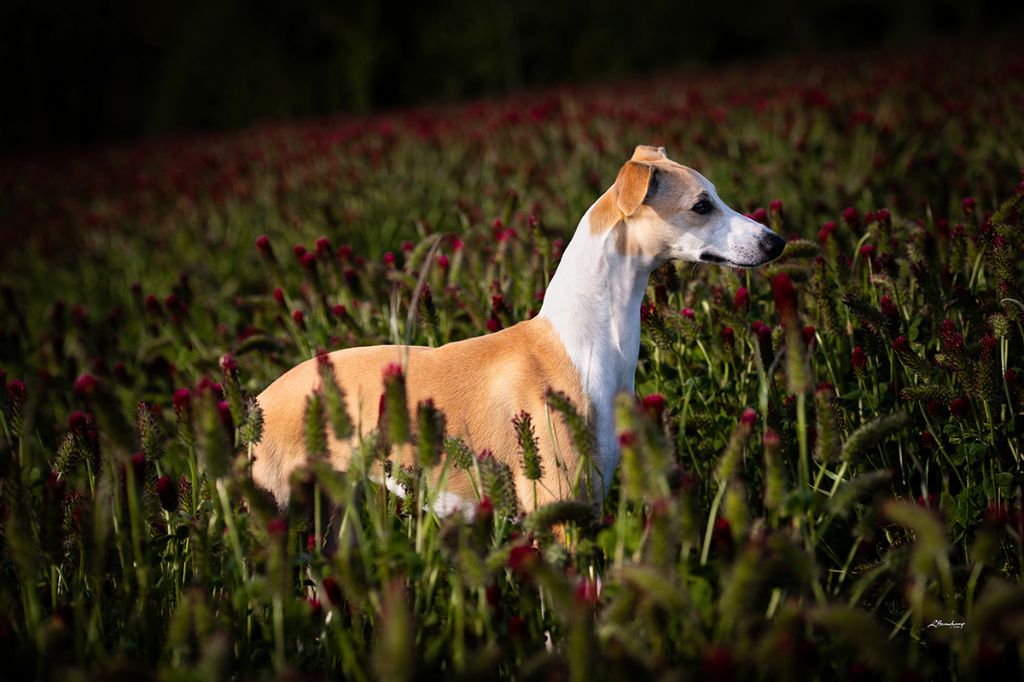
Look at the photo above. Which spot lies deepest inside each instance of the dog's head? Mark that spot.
(660, 210)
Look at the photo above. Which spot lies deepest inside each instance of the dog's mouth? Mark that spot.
(708, 257)
(770, 248)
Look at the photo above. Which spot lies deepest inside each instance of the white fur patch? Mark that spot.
(445, 503)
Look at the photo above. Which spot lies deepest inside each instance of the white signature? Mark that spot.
(954, 624)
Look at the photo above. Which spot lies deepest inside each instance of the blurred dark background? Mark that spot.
(85, 72)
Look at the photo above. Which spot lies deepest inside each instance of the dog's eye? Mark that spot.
(702, 207)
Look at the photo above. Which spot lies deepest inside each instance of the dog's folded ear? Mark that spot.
(632, 186)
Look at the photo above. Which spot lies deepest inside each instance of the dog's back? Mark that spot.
(480, 384)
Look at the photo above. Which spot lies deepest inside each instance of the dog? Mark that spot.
(584, 342)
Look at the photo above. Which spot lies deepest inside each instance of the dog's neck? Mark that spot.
(593, 301)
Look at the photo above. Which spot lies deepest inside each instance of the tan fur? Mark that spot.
(480, 384)
(677, 187)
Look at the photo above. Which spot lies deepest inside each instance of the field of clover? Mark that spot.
(821, 473)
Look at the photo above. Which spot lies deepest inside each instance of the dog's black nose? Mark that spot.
(772, 244)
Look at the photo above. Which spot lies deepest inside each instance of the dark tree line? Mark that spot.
(86, 72)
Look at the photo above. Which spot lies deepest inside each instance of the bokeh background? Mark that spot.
(94, 72)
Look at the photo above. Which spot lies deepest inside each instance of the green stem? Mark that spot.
(229, 521)
(711, 523)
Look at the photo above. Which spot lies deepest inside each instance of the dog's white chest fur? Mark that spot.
(593, 302)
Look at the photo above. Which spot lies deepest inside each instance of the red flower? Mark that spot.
(167, 492)
(85, 385)
(952, 340)
(927, 440)
(900, 344)
(867, 250)
(277, 527)
(315, 610)
(407, 246)
(1011, 377)
(718, 664)
(484, 510)
(522, 558)
(279, 295)
(323, 245)
(182, 399)
(826, 231)
(308, 260)
(997, 514)
(654, 404)
(775, 206)
(516, 627)
(588, 592)
(687, 313)
(721, 536)
(968, 204)
(810, 334)
(627, 438)
(152, 304)
(785, 297)
(493, 324)
(749, 418)
(959, 407)
(883, 216)
(263, 244)
(442, 261)
(858, 359)
(299, 317)
(344, 252)
(742, 299)
(392, 372)
(332, 592)
(851, 216)
(889, 309)
(389, 259)
(224, 413)
(728, 336)
(16, 391)
(760, 215)
(228, 363)
(338, 310)
(300, 251)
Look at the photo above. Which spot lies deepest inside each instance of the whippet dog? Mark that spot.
(584, 342)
